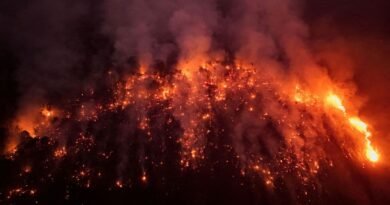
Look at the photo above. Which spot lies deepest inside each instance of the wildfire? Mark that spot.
(357, 124)
(214, 101)
(362, 127)
(138, 98)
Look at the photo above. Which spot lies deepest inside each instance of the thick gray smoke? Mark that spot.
(261, 31)
(49, 36)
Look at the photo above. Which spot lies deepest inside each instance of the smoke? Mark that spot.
(50, 43)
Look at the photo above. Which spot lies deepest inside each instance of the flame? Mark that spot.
(195, 98)
(359, 125)
(371, 154)
(119, 184)
(60, 152)
(336, 102)
(144, 178)
(362, 127)
(47, 112)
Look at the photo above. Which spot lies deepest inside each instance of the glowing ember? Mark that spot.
(119, 184)
(47, 112)
(27, 169)
(60, 152)
(144, 178)
(237, 105)
(195, 99)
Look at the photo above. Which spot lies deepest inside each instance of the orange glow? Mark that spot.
(371, 154)
(27, 169)
(27, 123)
(193, 153)
(193, 97)
(60, 152)
(336, 102)
(11, 147)
(119, 184)
(144, 178)
(47, 113)
(359, 125)
(165, 92)
(362, 127)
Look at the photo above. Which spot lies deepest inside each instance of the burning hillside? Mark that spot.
(169, 98)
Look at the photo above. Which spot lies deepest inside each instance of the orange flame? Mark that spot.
(336, 102)
(47, 112)
(371, 154)
(362, 127)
